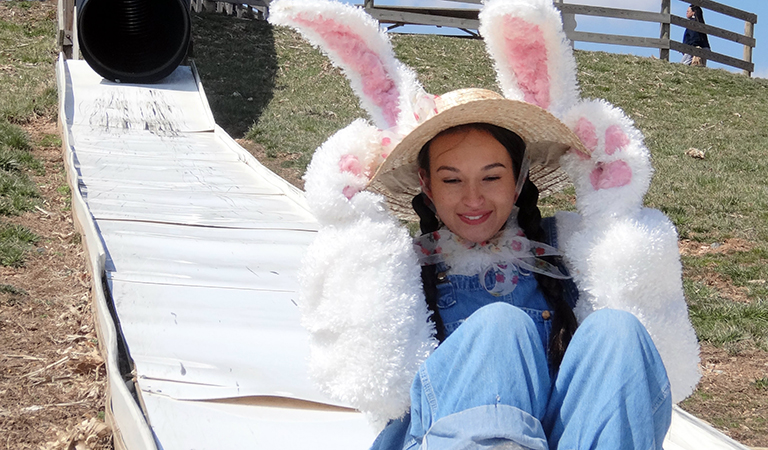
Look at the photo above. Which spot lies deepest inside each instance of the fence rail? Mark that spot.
(466, 20)
(255, 9)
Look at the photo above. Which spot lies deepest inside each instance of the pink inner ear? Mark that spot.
(349, 192)
(615, 139)
(613, 174)
(527, 56)
(359, 59)
(351, 164)
(586, 132)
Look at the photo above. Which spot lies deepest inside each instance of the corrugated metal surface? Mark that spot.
(198, 246)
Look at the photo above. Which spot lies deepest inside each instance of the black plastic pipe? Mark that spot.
(134, 41)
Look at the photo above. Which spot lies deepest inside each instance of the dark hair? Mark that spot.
(698, 14)
(528, 218)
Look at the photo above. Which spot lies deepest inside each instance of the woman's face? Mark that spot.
(689, 13)
(471, 182)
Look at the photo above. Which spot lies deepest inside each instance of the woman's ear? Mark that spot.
(425, 183)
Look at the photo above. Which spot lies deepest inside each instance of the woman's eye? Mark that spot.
(492, 178)
(451, 181)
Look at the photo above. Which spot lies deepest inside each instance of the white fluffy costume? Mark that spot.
(361, 294)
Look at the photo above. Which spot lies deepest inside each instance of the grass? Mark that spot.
(27, 89)
(17, 191)
(725, 323)
(12, 295)
(237, 100)
(15, 241)
(721, 197)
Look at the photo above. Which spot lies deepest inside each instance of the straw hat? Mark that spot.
(545, 136)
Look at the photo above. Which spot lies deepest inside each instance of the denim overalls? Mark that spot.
(462, 295)
(489, 384)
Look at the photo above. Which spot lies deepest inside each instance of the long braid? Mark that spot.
(429, 223)
(564, 321)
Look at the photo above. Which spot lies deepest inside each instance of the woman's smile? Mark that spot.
(475, 219)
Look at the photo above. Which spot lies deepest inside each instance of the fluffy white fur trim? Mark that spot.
(601, 128)
(361, 296)
(621, 255)
(352, 40)
(326, 182)
(363, 304)
(501, 38)
(632, 263)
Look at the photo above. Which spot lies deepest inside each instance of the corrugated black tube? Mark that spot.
(134, 41)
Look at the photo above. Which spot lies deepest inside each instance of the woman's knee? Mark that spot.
(615, 329)
(500, 319)
(498, 326)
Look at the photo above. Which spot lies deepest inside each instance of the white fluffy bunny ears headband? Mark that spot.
(536, 71)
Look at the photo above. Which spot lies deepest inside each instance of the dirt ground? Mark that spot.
(52, 377)
(733, 393)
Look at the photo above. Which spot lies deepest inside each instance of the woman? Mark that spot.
(466, 336)
(695, 38)
(512, 368)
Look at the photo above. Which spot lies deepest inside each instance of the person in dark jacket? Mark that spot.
(695, 38)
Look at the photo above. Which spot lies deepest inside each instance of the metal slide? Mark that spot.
(193, 247)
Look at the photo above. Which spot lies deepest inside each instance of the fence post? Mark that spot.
(749, 31)
(66, 10)
(241, 11)
(569, 21)
(665, 9)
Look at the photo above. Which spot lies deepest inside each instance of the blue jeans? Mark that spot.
(489, 384)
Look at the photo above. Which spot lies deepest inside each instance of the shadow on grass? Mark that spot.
(237, 63)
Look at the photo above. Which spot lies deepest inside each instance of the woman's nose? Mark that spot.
(473, 196)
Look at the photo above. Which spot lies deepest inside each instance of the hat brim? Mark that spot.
(545, 136)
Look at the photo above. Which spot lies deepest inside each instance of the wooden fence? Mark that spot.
(255, 9)
(466, 19)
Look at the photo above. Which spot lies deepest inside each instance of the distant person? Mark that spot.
(695, 38)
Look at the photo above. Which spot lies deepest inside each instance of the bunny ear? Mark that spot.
(353, 41)
(533, 59)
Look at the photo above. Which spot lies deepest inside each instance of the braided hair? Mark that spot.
(528, 218)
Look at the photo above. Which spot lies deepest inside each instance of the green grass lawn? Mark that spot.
(27, 91)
